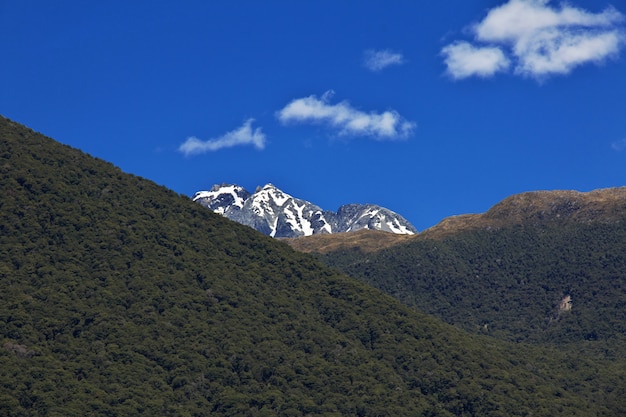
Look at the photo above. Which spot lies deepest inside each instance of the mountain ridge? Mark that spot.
(606, 205)
(600, 205)
(278, 214)
(121, 297)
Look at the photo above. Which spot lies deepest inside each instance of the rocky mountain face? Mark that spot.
(277, 214)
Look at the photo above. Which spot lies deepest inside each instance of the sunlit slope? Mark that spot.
(120, 297)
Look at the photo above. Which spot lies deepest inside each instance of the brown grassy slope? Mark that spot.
(365, 240)
(603, 205)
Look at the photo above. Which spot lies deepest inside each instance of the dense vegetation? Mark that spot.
(119, 297)
(509, 282)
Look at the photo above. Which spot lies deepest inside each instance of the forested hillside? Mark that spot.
(543, 278)
(120, 297)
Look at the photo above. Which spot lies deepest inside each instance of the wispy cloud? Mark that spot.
(345, 118)
(619, 145)
(540, 40)
(379, 60)
(244, 135)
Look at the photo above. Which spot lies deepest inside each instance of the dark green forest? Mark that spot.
(119, 297)
(509, 282)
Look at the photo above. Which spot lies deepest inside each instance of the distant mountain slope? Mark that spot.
(364, 240)
(120, 297)
(539, 207)
(277, 214)
(601, 206)
(541, 267)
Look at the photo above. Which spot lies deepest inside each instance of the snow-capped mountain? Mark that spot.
(277, 214)
(223, 199)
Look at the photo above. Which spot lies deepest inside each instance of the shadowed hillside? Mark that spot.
(120, 297)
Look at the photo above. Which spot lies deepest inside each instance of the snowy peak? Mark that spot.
(278, 214)
(222, 197)
(269, 193)
(373, 217)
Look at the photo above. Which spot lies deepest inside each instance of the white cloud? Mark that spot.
(464, 60)
(542, 40)
(518, 19)
(244, 135)
(559, 52)
(379, 60)
(345, 118)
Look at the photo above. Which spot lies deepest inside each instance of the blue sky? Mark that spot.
(429, 109)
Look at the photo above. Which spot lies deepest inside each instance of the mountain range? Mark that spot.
(121, 297)
(278, 214)
(534, 208)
